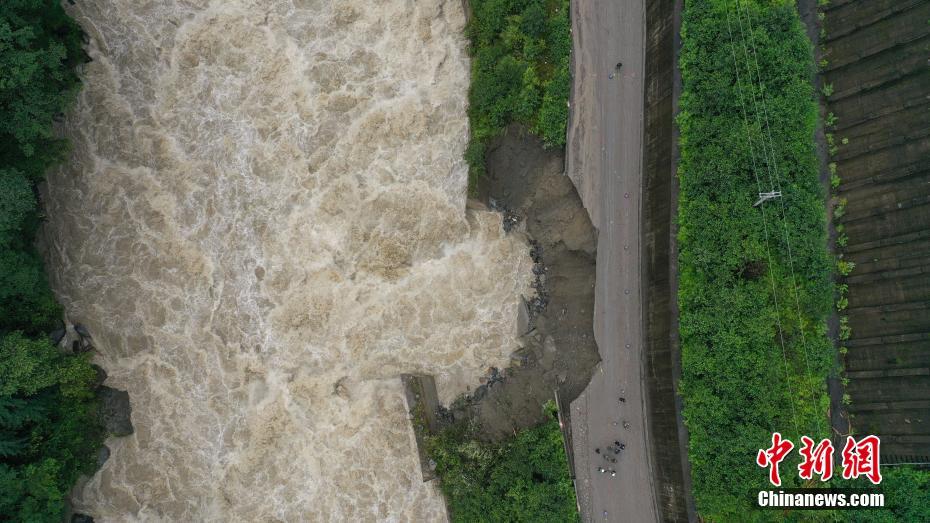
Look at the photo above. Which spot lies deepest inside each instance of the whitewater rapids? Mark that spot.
(263, 223)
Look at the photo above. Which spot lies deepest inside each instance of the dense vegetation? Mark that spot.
(519, 72)
(48, 432)
(755, 286)
(523, 479)
(750, 366)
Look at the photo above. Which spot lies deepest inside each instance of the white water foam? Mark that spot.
(263, 224)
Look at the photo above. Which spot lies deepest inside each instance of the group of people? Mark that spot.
(612, 451)
(610, 455)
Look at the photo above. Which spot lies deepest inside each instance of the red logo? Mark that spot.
(774, 455)
(819, 460)
(860, 458)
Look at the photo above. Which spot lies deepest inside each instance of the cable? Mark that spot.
(768, 253)
(774, 166)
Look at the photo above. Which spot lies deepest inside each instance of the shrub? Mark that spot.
(842, 303)
(520, 72)
(845, 329)
(734, 382)
(845, 267)
(525, 478)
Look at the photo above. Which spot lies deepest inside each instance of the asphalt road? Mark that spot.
(605, 163)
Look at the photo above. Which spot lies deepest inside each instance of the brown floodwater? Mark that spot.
(263, 223)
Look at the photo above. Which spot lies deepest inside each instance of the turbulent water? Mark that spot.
(263, 224)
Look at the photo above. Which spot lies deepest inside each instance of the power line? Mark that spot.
(768, 253)
(774, 166)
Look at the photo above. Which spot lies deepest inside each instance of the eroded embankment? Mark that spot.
(526, 183)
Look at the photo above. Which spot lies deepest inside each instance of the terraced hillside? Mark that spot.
(877, 53)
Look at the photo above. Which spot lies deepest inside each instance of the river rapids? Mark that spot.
(263, 223)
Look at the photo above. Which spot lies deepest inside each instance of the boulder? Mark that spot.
(115, 411)
(102, 456)
(101, 375)
(57, 335)
(523, 318)
(81, 518)
(81, 330)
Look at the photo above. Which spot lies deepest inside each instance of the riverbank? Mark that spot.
(526, 183)
(518, 114)
(504, 414)
(50, 431)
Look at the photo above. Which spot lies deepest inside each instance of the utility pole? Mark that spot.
(766, 196)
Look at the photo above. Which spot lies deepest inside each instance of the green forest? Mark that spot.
(48, 428)
(525, 478)
(755, 282)
(519, 72)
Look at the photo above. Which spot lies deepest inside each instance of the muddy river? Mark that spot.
(263, 223)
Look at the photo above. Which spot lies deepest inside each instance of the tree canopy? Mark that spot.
(525, 478)
(520, 72)
(755, 283)
(48, 430)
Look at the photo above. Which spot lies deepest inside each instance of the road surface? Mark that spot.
(605, 163)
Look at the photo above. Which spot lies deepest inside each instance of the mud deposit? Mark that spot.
(263, 223)
(526, 182)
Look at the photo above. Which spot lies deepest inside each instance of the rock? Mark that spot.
(480, 392)
(81, 518)
(549, 345)
(102, 456)
(81, 330)
(57, 335)
(523, 318)
(101, 375)
(115, 411)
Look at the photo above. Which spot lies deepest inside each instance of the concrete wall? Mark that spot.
(421, 401)
(668, 438)
(877, 53)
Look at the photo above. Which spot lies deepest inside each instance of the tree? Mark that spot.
(524, 478)
(48, 429)
(40, 46)
(520, 72)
